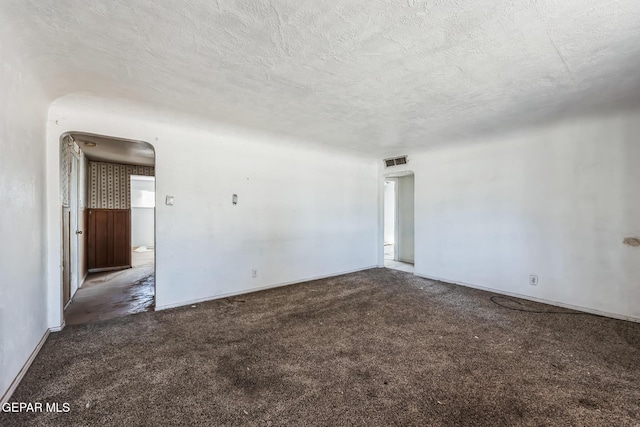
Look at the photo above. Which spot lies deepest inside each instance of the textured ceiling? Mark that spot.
(376, 76)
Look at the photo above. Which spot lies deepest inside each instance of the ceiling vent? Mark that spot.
(396, 161)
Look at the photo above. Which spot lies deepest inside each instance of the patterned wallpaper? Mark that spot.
(109, 184)
(65, 171)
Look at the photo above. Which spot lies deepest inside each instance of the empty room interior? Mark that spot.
(320, 213)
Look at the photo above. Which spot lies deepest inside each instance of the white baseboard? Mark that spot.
(261, 288)
(58, 328)
(16, 381)
(535, 299)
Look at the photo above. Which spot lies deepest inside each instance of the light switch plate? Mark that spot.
(169, 201)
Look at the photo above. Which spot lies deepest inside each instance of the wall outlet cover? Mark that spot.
(533, 280)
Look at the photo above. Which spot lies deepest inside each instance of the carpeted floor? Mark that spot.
(374, 348)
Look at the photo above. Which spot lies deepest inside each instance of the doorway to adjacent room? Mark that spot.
(115, 209)
(399, 222)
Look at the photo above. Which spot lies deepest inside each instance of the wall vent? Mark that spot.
(395, 161)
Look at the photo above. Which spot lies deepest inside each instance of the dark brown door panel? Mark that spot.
(109, 238)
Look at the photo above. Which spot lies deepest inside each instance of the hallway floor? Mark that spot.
(389, 262)
(111, 294)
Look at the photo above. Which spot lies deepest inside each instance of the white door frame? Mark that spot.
(74, 208)
(57, 129)
(395, 216)
(402, 171)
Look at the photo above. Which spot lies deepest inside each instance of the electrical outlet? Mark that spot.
(533, 280)
(254, 273)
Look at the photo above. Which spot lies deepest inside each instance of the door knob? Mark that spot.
(78, 231)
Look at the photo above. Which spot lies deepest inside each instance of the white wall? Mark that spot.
(555, 201)
(303, 211)
(405, 250)
(142, 227)
(142, 211)
(389, 211)
(23, 293)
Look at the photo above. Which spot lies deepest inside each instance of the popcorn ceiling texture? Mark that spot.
(375, 76)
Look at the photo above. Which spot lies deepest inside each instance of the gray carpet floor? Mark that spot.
(374, 348)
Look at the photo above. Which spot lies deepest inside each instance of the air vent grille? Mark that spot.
(395, 161)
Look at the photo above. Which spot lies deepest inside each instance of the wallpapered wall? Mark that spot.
(109, 184)
(65, 171)
(68, 148)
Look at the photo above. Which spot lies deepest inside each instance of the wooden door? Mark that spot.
(109, 238)
(66, 256)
